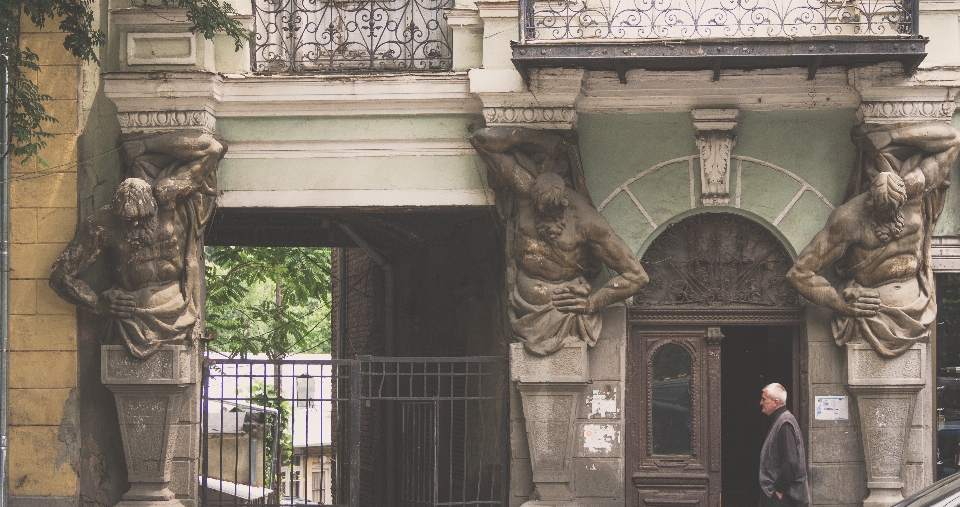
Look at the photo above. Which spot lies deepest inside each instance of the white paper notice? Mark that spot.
(832, 408)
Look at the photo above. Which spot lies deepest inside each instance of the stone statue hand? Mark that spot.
(573, 299)
(117, 304)
(131, 150)
(860, 302)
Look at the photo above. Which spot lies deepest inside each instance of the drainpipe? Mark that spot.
(5, 148)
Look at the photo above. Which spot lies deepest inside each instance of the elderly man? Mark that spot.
(783, 472)
(150, 236)
(556, 240)
(879, 240)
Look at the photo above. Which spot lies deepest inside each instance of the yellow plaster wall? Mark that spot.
(43, 328)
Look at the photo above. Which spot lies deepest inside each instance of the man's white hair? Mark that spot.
(776, 391)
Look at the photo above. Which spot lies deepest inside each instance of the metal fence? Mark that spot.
(297, 36)
(612, 20)
(366, 432)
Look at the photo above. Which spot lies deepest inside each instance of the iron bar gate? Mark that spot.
(371, 431)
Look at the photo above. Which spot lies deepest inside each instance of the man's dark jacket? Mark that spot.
(782, 460)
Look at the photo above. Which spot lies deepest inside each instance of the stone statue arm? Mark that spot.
(85, 248)
(614, 252)
(513, 154)
(938, 142)
(828, 246)
(198, 152)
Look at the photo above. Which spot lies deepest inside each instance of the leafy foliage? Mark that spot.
(266, 396)
(268, 300)
(76, 20)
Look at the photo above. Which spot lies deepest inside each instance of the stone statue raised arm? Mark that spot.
(879, 240)
(150, 236)
(556, 240)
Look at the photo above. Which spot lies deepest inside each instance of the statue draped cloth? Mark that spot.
(543, 329)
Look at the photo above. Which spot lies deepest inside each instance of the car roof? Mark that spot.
(943, 493)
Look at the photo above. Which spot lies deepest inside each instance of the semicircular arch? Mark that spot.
(765, 192)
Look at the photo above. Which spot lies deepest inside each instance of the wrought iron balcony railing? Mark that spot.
(714, 34)
(298, 36)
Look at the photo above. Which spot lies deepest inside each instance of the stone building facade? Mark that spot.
(717, 168)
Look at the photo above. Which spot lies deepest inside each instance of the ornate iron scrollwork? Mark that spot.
(345, 35)
(713, 260)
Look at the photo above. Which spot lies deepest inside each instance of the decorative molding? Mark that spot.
(892, 111)
(715, 316)
(336, 198)
(350, 148)
(715, 140)
(561, 117)
(189, 57)
(166, 120)
(945, 252)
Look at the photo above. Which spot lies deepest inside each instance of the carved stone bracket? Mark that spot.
(149, 394)
(892, 111)
(715, 140)
(886, 393)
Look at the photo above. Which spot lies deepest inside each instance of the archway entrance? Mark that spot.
(717, 322)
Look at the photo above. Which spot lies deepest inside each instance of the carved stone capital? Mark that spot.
(894, 111)
(165, 101)
(159, 121)
(551, 118)
(715, 140)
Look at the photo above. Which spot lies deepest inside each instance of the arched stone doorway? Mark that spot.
(716, 323)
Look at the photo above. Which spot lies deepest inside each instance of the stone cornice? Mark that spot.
(154, 100)
(499, 8)
(340, 95)
(464, 18)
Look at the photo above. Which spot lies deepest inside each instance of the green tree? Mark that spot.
(76, 21)
(268, 300)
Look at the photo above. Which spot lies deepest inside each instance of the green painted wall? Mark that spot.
(812, 145)
(455, 171)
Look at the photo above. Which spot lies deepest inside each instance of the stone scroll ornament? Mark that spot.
(557, 241)
(150, 236)
(878, 241)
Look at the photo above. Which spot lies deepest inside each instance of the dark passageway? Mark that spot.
(751, 358)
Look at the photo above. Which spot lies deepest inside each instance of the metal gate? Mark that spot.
(371, 431)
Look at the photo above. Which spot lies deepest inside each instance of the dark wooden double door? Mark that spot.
(693, 423)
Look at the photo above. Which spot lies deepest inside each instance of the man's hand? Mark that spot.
(861, 302)
(779, 495)
(117, 304)
(573, 299)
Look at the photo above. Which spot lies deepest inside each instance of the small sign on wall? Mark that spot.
(831, 408)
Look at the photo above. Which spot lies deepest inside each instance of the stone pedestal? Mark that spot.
(149, 394)
(549, 389)
(886, 393)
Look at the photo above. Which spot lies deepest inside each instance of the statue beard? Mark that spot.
(888, 224)
(144, 234)
(550, 226)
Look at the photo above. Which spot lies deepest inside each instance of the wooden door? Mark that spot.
(673, 417)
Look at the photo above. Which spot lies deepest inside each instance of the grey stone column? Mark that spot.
(549, 388)
(886, 394)
(149, 395)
